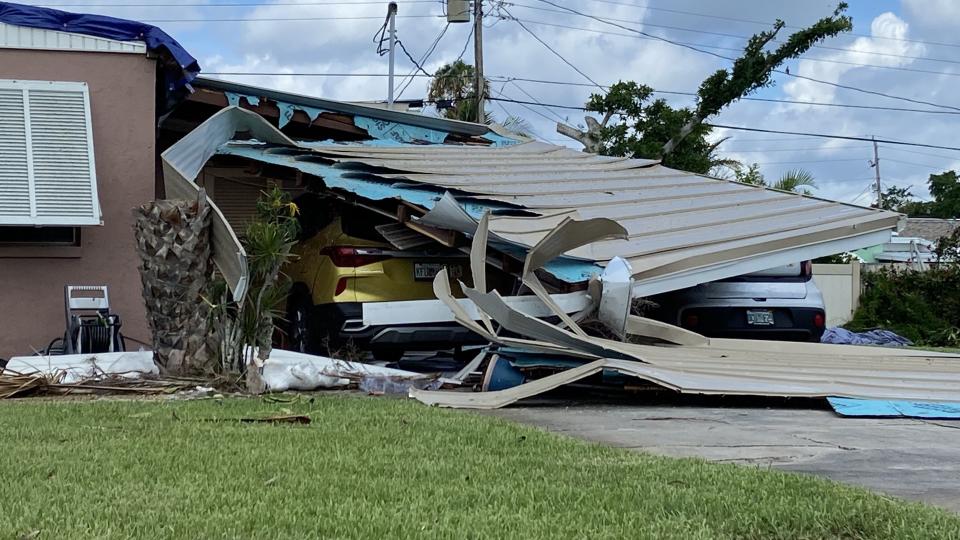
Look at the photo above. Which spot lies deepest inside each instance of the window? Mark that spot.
(47, 171)
(44, 236)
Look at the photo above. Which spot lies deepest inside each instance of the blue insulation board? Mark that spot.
(405, 133)
(881, 408)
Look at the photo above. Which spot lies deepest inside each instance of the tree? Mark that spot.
(244, 329)
(453, 83)
(751, 175)
(797, 180)
(895, 198)
(945, 189)
(678, 136)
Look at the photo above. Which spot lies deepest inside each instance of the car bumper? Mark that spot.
(343, 323)
(790, 323)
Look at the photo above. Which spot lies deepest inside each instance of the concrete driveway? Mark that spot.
(913, 459)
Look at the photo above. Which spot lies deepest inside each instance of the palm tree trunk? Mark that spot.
(173, 243)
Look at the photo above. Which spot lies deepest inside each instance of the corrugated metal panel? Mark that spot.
(49, 177)
(682, 228)
(677, 221)
(21, 37)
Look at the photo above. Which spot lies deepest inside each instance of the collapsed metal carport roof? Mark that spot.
(683, 228)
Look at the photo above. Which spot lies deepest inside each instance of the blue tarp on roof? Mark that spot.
(155, 39)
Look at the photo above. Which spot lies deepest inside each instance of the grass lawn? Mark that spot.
(388, 468)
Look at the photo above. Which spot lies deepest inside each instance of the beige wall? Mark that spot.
(840, 285)
(32, 279)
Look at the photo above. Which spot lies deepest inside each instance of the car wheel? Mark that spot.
(298, 323)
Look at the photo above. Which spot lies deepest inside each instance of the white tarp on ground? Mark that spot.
(288, 370)
(80, 367)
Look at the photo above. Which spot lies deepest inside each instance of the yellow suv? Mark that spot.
(343, 263)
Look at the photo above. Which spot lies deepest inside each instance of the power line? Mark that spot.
(551, 49)
(828, 136)
(529, 95)
(808, 161)
(522, 104)
(738, 36)
(504, 78)
(808, 149)
(545, 105)
(925, 165)
(287, 19)
(713, 16)
(919, 153)
(423, 59)
(739, 49)
(679, 44)
(770, 100)
(232, 4)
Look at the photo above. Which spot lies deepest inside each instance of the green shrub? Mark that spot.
(922, 306)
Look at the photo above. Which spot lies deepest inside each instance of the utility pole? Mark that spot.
(392, 15)
(876, 169)
(478, 86)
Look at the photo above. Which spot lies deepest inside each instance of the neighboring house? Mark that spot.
(915, 243)
(78, 115)
(930, 229)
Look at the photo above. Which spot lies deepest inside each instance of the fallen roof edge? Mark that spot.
(429, 122)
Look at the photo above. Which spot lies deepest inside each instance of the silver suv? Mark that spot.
(781, 303)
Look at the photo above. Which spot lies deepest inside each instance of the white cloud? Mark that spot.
(874, 50)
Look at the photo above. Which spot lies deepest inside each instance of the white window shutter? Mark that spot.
(47, 169)
(14, 168)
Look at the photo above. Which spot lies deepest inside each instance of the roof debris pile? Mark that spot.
(674, 358)
(679, 228)
(610, 229)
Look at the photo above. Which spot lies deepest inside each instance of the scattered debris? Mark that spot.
(71, 368)
(908, 409)
(674, 358)
(288, 370)
(101, 373)
(886, 338)
(279, 419)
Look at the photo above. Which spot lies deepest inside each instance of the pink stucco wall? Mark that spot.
(32, 279)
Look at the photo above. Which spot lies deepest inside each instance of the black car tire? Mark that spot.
(299, 308)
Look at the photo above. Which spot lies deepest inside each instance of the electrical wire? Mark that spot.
(802, 161)
(919, 153)
(286, 19)
(551, 49)
(713, 16)
(231, 4)
(829, 136)
(501, 78)
(807, 149)
(739, 36)
(529, 95)
(423, 59)
(925, 165)
(819, 81)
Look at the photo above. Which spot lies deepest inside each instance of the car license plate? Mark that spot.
(428, 271)
(760, 317)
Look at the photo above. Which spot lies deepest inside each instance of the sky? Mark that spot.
(904, 48)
